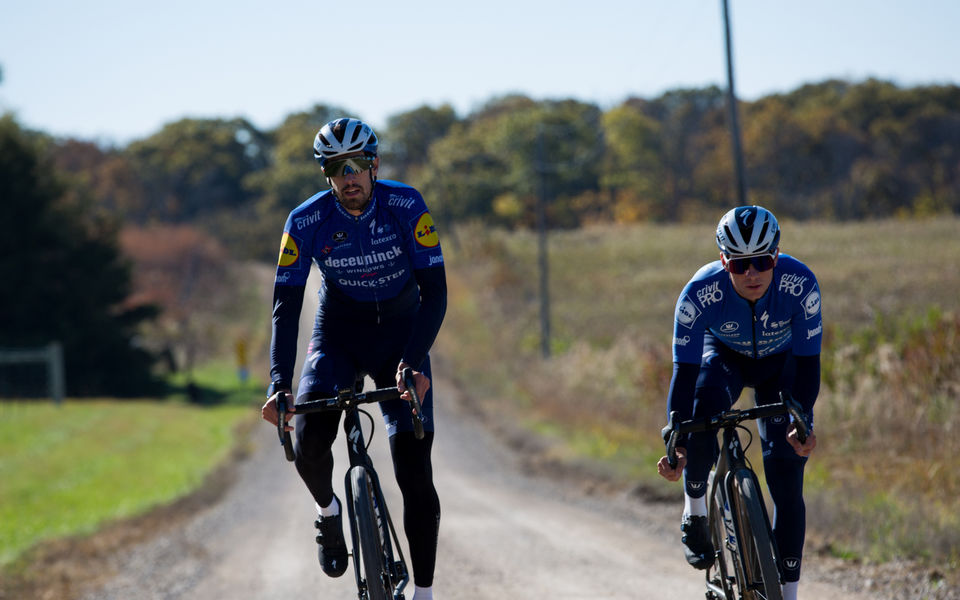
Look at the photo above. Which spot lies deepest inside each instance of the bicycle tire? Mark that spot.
(718, 576)
(758, 577)
(375, 568)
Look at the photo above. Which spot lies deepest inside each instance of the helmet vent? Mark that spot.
(763, 231)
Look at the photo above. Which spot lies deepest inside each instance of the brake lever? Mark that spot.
(410, 383)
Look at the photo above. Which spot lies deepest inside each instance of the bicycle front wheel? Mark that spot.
(720, 580)
(759, 578)
(375, 568)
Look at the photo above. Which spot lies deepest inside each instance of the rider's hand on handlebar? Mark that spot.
(269, 410)
(668, 472)
(804, 449)
(423, 383)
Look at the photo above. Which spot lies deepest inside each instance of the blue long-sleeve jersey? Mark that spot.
(382, 263)
(786, 318)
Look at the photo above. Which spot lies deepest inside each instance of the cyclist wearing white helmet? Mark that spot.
(346, 147)
(752, 319)
(382, 300)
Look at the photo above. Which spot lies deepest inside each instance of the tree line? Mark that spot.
(831, 150)
(834, 150)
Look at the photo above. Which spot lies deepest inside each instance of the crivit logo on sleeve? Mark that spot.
(289, 251)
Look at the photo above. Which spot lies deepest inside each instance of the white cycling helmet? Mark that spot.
(343, 136)
(748, 231)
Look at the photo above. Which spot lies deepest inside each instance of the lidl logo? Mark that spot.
(425, 232)
(289, 253)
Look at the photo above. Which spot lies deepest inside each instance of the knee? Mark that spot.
(314, 439)
(411, 464)
(785, 482)
(413, 477)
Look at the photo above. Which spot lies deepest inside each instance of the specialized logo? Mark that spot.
(811, 304)
(289, 252)
(687, 312)
(425, 232)
(746, 217)
(354, 437)
(764, 318)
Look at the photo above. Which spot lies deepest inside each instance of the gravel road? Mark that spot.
(510, 529)
(505, 533)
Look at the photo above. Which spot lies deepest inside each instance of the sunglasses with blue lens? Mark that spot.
(348, 166)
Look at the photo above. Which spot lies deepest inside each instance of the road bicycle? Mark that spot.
(378, 561)
(745, 552)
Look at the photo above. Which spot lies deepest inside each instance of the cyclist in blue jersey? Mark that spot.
(752, 319)
(382, 299)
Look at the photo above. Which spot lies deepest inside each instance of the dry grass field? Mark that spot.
(884, 481)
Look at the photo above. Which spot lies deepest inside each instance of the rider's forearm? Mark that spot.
(683, 385)
(287, 302)
(806, 384)
(433, 307)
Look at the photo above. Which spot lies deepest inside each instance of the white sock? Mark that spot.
(332, 510)
(790, 590)
(422, 593)
(695, 506)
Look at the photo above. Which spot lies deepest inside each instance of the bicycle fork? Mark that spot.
(737, 541)
(399, 576)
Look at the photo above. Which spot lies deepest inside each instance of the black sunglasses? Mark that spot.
(761, 262)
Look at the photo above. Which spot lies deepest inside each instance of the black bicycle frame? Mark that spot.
(358, 457)
(732, 461)
(349, 400)
(731, 467)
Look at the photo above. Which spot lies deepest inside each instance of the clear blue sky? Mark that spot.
(116, 70)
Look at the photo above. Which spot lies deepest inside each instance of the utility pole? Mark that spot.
(732, 106)
(541, 168)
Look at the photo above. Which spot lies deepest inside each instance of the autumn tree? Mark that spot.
(63, 276)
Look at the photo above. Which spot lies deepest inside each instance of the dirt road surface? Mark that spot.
(504, 533)
(507, 531)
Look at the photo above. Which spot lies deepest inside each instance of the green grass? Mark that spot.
(66, 470)
(891, 360)
(218, 382)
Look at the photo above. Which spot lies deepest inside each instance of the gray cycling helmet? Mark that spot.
(748, 231)
(344, 136)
